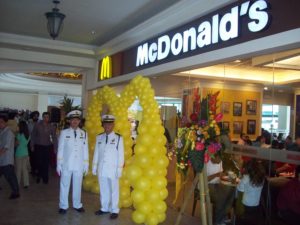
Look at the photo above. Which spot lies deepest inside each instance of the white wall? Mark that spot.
(18, 100)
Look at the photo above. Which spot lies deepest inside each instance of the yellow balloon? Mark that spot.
(152, 219)
(140, 149)
(145, 139)
(127, 154)
(124, 192)
(159, 182)
(95, 188)
(138, 217)
(159, 207)
(153, 195)
(133, 172)
(129, 161)
(161, 140)
(142, 183)
(142, 129)
(162, 172)
(161, 217)
(144, 207)
(126, 182)
(150, 172)
(142, 160)
(127, 202)
(161, 161)
(163, 193)
(137, 195)
(154, 150)
(87, 183)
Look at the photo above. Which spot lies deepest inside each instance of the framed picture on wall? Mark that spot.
(225, 125)
(237, 127)
(225, 107)
(251, 126)
(237, 109)
(251, 106)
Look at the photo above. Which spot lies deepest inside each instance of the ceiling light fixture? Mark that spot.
(265, 88)
(55, 21)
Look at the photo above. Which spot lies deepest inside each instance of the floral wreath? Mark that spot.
(198, 140)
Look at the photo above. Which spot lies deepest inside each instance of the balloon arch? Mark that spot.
(143, 182)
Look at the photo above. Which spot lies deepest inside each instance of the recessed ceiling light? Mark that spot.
(237, 61)
(93, 32)
(265, 88)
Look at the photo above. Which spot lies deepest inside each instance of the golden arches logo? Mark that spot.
(106, 68)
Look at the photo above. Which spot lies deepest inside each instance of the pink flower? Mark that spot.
(206, 157)
(194, 117)
(219, 117)
(213, 148)
(199, 146)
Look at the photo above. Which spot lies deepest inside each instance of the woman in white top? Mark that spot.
(250, 188)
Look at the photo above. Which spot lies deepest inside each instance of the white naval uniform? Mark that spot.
(73, 159)
(108, 163)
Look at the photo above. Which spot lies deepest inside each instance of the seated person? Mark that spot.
(288, 144)
(288, 200)
(222, 196)
(249, 191)
(295, 146)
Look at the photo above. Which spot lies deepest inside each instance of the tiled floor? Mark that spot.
(38, 205)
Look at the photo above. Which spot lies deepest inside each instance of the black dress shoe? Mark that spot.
(114, 216)
(14, 196)
(62, 211)
(100, 212)
(80, 210)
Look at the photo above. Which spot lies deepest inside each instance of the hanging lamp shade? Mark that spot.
(55, 21)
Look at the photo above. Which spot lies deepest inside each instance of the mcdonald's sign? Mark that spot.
(106, 68)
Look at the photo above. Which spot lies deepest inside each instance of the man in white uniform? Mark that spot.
(72, 162)
(108, 164)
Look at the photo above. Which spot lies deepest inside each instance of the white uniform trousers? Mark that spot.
(109, 194)
(65, 182)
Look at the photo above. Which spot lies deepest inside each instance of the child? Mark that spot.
(250, 188)
(22, 159)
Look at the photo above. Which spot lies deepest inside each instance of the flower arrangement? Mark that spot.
(198, 141)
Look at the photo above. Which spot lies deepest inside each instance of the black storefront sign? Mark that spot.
(234, 24)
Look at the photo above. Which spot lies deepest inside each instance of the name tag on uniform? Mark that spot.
(81, 137)
(68, 137)
(99, 143)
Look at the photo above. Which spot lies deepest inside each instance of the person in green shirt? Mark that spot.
(22, 159)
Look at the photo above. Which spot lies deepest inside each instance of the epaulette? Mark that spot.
(101, 133)
(118, 134)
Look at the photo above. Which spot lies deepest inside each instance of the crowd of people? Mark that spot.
(25, 147)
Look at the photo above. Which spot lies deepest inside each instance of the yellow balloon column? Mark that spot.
(145, 172)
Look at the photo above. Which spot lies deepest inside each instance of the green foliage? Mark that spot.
(197, 160)
(67, 105)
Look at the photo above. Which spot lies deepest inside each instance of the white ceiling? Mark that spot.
(108, 18)
(23, 83)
